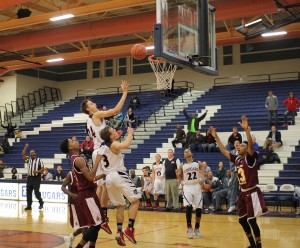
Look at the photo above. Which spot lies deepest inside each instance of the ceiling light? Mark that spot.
(54, 60)
(252, 23)
(61, 17)
(149, 47)
(274, 33)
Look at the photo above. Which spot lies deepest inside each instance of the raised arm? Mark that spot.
(185, 114)
(219, 143)
(247, 129)
(202, 116)
(24, 152)
(118, 107)
(117, 147)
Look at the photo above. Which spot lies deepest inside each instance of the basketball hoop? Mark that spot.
(164, 72)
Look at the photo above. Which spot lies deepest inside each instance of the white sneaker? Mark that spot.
(86, 245)
(69, 241)
(190, 233)
(231, 209)
(197, 233)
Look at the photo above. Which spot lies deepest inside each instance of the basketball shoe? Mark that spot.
(190, 233)
(129, 233)
(105, 226)
(148, 205)
(197, 233)
(156, 205)
(68, 240)
(120, 238)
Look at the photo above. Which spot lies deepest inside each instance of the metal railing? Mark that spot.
(244, 79)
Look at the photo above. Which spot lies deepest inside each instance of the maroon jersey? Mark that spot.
(82, 182)
(247, 170)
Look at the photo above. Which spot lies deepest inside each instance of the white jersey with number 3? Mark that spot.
(94, 131)
(111, 162)
(190, 173)
(159, 171)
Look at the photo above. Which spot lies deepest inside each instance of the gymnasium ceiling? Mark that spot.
(105, 29)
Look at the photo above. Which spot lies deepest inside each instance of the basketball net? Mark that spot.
(164, 72)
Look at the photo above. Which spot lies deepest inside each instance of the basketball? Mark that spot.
(207, 187)
(138, 51)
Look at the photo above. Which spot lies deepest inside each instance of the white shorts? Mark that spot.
(118, 185)
(159, 186)
(99, 169)
(192, 195)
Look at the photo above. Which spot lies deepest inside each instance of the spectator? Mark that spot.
(273, 139)
(47, 176)
(221, 172)
(204, 167)
(209, 195)
(10, 130)
(193, 125)
(129, 118)
(117, 120)
(87, 147)
(171, 164)
(180, 136)
(268, 157)
(271, 105)
(18, 134)
(224, 192)
(14, 172)
(197, 142)
(5, 144)
(232, 138)
(135, 179)
(74, 139)
(59, 174)
(209, 142)
(134, 102)
(291, 104)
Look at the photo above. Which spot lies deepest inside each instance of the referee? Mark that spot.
(35, 169)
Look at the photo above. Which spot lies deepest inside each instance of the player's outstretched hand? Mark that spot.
(26, 145)
(124, 86)
(244, 123)
(130, 130)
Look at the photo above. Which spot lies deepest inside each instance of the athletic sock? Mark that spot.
(119, 226)
(104, 212)
(197, 225)
(131, 223)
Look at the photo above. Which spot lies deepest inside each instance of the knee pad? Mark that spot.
(198, 212)
(254, 227)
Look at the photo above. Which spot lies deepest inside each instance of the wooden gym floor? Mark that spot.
(46, 229)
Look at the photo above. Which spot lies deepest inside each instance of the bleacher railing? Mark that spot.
(244, 79)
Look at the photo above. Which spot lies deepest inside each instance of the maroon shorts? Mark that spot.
(251, 204)
(86, 211)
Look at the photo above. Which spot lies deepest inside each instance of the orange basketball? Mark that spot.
(207, 187)
(138, 51)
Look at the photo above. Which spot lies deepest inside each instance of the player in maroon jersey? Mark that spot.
(250, 201)
(87, 209)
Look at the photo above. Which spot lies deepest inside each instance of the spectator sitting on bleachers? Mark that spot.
(135, 179)
(255, 145)
(87, 147)
(209, 142)
(129, 119)
(209, 195)
(204, 166)
(117, 120)
(59, 174)
(197, 142)
(291, 104)
(47, 176)
(5, 144)
(273, 139)
(74, 139)
(18, 134)
(269, 157)
(134, 102)
(225, 192)
(221, 172)
(14, 172)
(10, 130)
(232, 138)
(180, 136)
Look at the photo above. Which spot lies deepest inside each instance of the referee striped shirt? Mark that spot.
(34, 165)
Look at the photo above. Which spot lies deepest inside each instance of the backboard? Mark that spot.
(184, 34)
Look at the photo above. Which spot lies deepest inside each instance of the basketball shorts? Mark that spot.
(251, 204)
(192, 195)
(118, 185)
(99, 169)
(86, 212)
(159, 187)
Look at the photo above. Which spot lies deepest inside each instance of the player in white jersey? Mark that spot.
(118, 182)
(95, 123)
(158, 170)
(192, 193)
(147, 185)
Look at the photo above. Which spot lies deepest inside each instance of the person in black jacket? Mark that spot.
(273, 139)
(10, 130)
(232, 138)
(193, 125)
